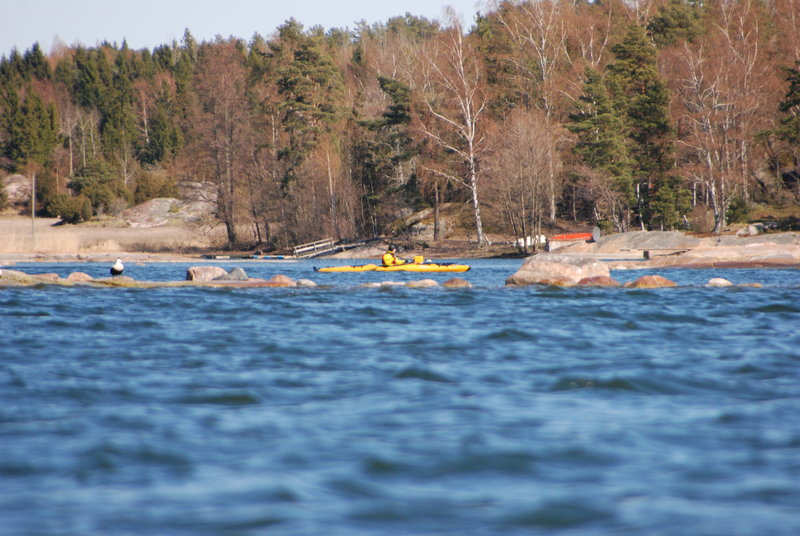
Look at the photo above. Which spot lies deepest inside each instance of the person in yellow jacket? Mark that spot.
(390, 258)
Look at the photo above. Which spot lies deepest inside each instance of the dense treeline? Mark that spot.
(627, 114)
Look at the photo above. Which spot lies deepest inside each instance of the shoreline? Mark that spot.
(103, 242)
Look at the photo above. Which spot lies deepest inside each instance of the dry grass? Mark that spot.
(21, 235)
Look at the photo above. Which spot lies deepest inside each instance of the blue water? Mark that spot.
(343, 410)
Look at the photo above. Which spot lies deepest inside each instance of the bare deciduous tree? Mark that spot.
(223, 127)
(521, 167)
(455, 104)
(538, 29)
(721, 85)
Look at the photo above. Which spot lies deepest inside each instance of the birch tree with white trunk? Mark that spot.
(454, 107)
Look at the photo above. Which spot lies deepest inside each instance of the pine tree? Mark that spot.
(676, 20)
(165, 137)
(602, 145)
(310, 88)
(92, 78)
(601, 133)
(642, 99)
(382, 155)
(118, 122)
(28, 129)
(789, 130)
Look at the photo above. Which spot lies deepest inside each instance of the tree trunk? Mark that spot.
(476, 207)
(437, 234)
(332, 197)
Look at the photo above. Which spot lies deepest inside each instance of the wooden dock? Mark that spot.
(323, 247)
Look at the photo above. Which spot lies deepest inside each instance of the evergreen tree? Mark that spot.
(642, 99)
(92, 78)
(12, 70)
(36, 65)
(789, 129)
(100, 185)
(165, 137)
(670, 204)
(601, 133)
(602, 144)
(676, 20)
(310, 87)
(382, 156)
(118, 120)
(29, 129)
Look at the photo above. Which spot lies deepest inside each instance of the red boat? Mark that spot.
(573, 236)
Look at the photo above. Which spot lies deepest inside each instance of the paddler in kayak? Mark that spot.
(390, 258)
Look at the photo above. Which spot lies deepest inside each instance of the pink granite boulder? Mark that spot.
(204, 273)
(557, 269)
(650, 281)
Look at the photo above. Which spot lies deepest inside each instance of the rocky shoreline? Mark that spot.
(196, 276)
(584, 264)
(591, 262)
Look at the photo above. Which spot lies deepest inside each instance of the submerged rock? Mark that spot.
(13, 278)
(457, 282)
(382, 284)
(422, 283)
(599, 281)
(281, 281)
(650, 281)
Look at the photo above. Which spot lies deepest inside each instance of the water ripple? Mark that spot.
(355, 411)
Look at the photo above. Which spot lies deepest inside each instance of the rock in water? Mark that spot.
(599, 281)
(237, 274)
(718, 282)
(281, 280)
(422, 283)
(557, 269)
(650, 281)
(204, 273)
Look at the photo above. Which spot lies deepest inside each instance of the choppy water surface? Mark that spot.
(343, 410)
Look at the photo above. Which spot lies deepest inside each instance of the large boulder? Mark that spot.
(160, 211)
(17, 188)
(557, 269)
(204, 273)
(237, 274)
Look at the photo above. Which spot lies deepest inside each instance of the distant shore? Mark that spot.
(23, 240)
(40, 240)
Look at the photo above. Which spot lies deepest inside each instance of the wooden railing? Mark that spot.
(314, 248)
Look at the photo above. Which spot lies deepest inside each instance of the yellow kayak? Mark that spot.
(408, 267)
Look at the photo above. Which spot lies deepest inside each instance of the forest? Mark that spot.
(651, 114)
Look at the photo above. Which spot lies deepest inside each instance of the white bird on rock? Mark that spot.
(118, 267)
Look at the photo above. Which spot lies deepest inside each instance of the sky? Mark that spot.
(150, 23)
